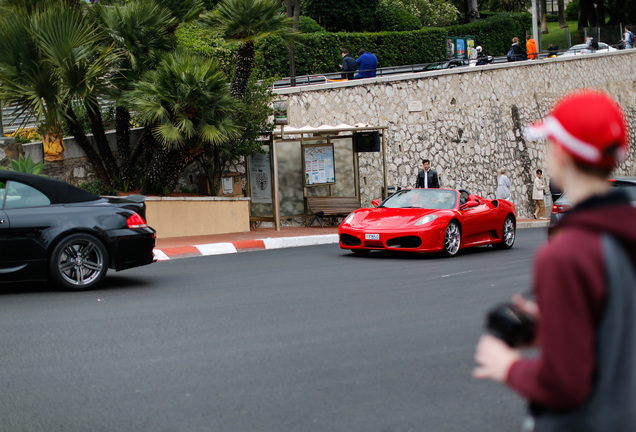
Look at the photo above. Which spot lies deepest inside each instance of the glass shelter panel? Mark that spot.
(261, 184)
(290, 178)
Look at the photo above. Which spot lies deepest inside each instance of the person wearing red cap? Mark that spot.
(583, 375)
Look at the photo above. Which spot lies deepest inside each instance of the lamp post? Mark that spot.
(293, 13)
(535, 27)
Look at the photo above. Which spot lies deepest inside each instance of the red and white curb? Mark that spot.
(165, 254)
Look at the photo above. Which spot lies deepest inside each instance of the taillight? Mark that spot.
(136, 221)
(560, 208)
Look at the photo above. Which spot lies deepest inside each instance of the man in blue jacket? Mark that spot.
(367, 64)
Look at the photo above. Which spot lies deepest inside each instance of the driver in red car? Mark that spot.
(583, 377)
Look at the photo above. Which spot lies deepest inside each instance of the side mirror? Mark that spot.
(469, 204)
(375, 202)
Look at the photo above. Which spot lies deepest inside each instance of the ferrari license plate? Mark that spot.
(372, 236)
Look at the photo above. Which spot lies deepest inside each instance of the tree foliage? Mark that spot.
(342, 15)
(395, 18)
(309, 25)
(247, 22)
(59, 59)
(431, 13)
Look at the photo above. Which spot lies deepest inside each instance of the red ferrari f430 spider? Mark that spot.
(430, 220)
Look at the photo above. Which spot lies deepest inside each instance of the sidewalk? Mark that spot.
(263, 238)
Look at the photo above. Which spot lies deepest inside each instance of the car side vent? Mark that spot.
(349, 240)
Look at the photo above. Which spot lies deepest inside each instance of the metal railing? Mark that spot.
(305, 80)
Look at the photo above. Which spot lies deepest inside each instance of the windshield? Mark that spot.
(422, 198)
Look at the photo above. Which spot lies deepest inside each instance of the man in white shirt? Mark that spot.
(427, 178)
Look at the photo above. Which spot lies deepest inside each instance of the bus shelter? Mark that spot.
(297, 163)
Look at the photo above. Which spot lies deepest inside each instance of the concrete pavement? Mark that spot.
(263, 238)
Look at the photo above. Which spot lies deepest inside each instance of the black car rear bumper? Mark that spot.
(132, 247)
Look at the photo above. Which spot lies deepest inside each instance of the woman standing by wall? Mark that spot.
(503, 185)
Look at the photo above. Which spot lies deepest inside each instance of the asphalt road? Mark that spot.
(301, 339)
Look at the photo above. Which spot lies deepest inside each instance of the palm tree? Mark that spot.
(28, 81)
(70, 44)
(247, 22)
(142, 32)
(49, 58)
(186, 103)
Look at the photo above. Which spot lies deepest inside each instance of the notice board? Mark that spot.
(319, 164)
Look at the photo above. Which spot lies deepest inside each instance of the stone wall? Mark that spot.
(74, 168)
(468, 121)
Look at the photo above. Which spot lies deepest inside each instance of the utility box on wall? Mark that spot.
(231, 185)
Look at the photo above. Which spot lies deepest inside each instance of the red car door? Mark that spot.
(476, 221)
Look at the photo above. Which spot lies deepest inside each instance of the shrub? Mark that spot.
(26, 165)
(207, 41)
(98, 188)
(572, 11)
(23, 136)
(393, 18)
(320, 52)
(309, 25)
(341, 15)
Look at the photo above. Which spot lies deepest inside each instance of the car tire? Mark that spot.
(452, 239)
(508, 234)
(78, 262)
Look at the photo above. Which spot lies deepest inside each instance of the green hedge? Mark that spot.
(321, 51)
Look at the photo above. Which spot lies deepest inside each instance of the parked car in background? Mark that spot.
(430, 220)
(563, 204)
(449, 64)
(50, 230)
(582, 48)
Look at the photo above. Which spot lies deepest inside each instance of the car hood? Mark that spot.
(390, 217)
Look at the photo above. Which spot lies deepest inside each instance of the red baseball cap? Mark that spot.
(587, 124)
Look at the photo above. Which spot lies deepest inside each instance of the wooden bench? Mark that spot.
(330, 206)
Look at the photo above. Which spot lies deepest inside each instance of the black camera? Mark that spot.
(511, 325)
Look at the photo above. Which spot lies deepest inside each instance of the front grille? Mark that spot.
(407, 242)
(349, 240)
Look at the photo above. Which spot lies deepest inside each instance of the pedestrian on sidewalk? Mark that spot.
(531, 49)
(503, 185)
(582, 377)
(538, 195)
(628, 38)
(367, 64)
(348, 65)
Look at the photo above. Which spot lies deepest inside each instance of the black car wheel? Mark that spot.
(452, 239)
(78, 262)
(507, 234)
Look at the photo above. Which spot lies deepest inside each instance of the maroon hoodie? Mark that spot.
(570, 288)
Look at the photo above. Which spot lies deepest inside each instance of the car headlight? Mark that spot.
(426, 219)
(349, 218)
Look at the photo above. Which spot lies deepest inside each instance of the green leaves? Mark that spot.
(185, 100)
(248, 21)
(26, 165)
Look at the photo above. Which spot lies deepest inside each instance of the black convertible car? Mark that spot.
(52, 230)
